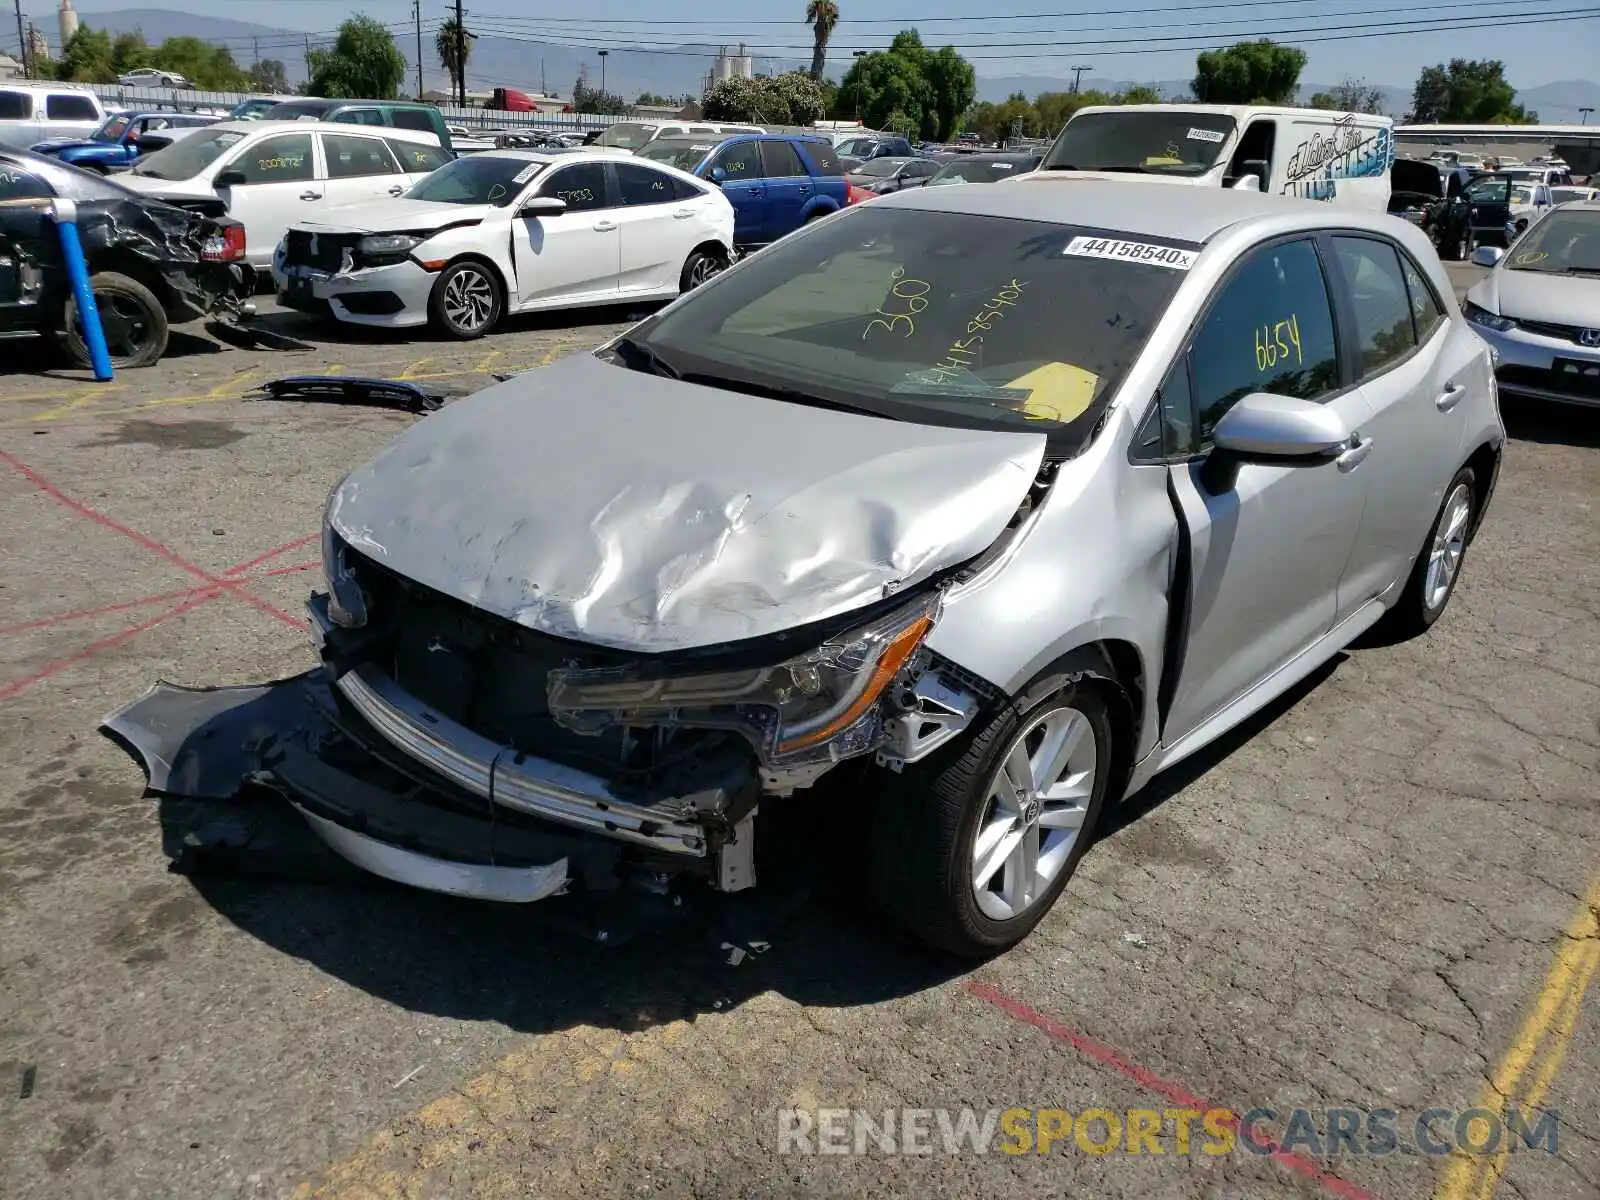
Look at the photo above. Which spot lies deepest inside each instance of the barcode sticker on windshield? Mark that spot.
(1143, 252)
(1204, 135)
(527, 173)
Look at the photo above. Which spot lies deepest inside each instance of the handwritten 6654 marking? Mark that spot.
(1271, 348)
(912, 294)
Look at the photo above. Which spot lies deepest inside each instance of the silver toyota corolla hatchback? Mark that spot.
(993, 502)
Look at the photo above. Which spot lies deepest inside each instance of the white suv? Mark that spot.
(30, 113)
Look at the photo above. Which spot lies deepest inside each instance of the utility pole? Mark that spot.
(22, 45)
(603, 54)
(1077, 75)
(1583, 114)
(416, 11)
(461, 57)
(308, 58)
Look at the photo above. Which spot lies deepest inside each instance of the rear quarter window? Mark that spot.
(66, 107)
(15, 106)
(415, 158)
(824, 161)
(414, 118)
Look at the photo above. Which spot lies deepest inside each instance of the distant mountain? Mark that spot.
(534, 66)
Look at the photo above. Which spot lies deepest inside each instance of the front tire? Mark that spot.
(132, 319)
(467, 300)
(970, 848)
(1438, 567)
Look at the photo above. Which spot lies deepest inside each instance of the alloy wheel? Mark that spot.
(126, 325)
(703, 269)
(1449, 543)
(469, 299)
(1037, 801)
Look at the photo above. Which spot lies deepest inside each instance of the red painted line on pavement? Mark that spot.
(61, 664)
(269, 555)
(1174, 1093)
(85, 613)
(305, 566)
(234, 588)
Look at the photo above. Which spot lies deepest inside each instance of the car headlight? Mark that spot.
(347, 603)
(824, 705)
(386, 249)
(1482, 316)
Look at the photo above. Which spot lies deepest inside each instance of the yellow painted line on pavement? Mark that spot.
(1540, 1044)
(491, 1111)
(76, 402)
(411, 372)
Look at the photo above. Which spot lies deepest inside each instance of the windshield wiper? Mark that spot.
(647, 358)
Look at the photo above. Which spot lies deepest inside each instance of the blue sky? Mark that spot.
(1539, 51)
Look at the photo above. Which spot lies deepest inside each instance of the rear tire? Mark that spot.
(467, 300)
(133, 320)
(1438, 567)
(701, 266)
(951, 839)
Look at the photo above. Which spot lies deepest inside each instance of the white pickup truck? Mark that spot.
(31, 112)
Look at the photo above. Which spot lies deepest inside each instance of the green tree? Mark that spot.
(651, 99)
(790, 99)
(822, 16)
(269, 75)
(204, 65)
(1467, 92)
(129, 52)
(1259, 72)
(1353, 95)
(86, 58)
(1140, 94)
(454, 47)
(586, 99)
(932, 90)
(363, 63)
(954, 86)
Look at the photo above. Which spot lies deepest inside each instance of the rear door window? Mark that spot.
(779, 161)
(1384, 329)
(638, 184)
(353, 157)
(59, 106)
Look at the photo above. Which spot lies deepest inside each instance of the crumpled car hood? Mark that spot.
(1536, 296)
(396, 216)
(592, 502)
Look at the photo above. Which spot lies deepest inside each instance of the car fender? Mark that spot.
(490, 240)
(1092, 567)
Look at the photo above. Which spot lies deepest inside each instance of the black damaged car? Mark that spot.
(151, 265)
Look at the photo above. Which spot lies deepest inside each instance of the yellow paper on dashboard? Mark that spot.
(1058, 391)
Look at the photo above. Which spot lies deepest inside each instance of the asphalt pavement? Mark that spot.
(1381, 894)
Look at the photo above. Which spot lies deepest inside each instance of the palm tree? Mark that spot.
(822, 16)
(453, 47)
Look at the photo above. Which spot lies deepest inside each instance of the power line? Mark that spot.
(1106, 45)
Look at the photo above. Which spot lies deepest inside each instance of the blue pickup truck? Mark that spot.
(776, 182)
(121, 138)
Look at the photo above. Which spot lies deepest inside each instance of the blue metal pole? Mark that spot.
(65, 215)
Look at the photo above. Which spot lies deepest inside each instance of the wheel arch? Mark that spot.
(483, 260)
(1485, 464)
(124, 261)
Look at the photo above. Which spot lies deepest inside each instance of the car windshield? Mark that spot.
(252, 110)
(300, 110)
(1160, 142)
(112, 129)
(627, 135)
(1566, 195)
(880, 167)
(189, 156)
(1564, 243)
(686, 156)
(979, 170)
(480, 179)
(940, 318)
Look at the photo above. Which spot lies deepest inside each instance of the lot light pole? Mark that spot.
(1583, 114)
(603, 55)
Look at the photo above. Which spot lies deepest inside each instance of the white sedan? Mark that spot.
(152, 77)
(509, 231)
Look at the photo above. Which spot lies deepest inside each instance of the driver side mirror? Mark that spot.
(1283, 431)
(228, 179)
(1488, 256)
(718, 176)
(1260, 168)
(542, 206)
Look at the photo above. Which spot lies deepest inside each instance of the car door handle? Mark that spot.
(397, 190)
(1359, 448)
(604, 226)
(311, 195)
(682, 213)
(1449, 398)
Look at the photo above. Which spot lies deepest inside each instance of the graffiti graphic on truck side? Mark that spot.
(1348, 152)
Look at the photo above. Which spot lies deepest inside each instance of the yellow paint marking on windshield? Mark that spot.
(1060, 391)
(1529, 257)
